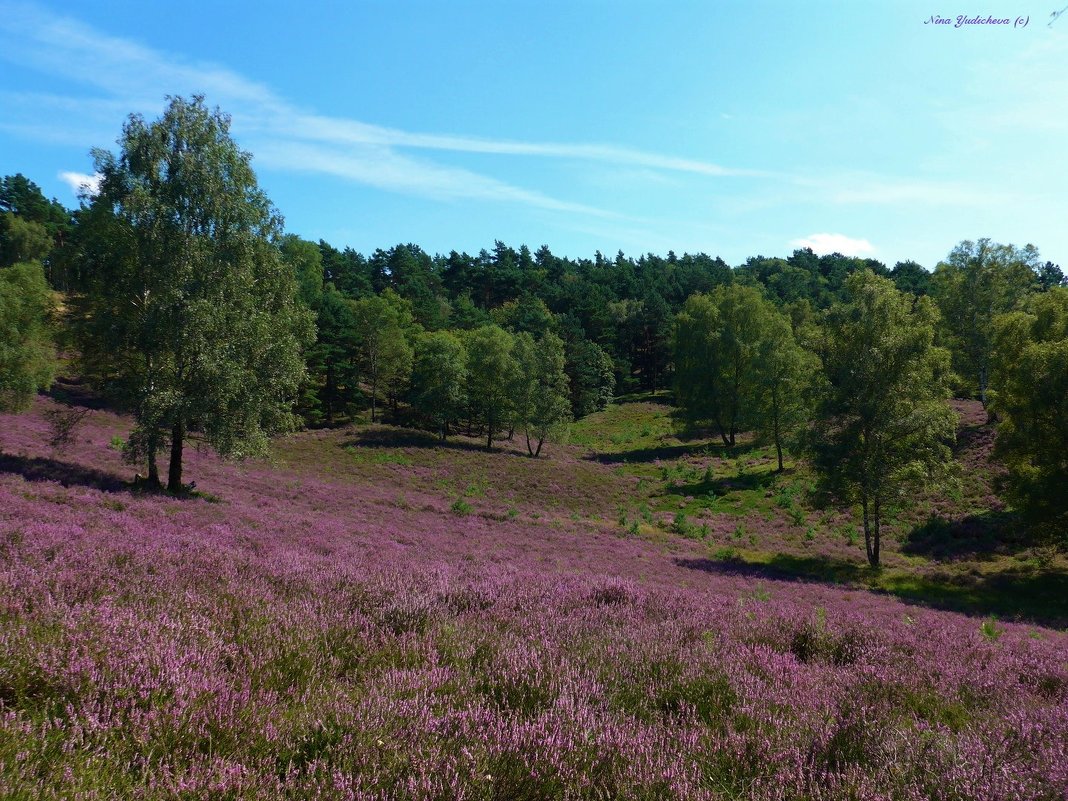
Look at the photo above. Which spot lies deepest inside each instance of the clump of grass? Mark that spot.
(850, 534)
(646, 513)
(990, 629)
(461, 507)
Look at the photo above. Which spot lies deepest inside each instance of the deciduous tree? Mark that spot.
(439, 376)
(491, 378)
(717, 343)
(191, 309)
(27, 359)
(1031, 373)
(977, 282)
(882, 423)
(782, 382)
(543, 408)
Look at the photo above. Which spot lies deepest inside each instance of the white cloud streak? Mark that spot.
(284, 136)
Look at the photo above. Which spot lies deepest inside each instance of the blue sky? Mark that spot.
(734, 129)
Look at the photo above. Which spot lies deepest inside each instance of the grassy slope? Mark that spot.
(954, 545)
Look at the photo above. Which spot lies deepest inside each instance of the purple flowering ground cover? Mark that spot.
(335, 625)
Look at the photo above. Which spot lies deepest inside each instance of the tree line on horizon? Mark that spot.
(186, 305)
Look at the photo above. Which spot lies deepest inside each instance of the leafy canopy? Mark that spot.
(882, 422)
(191, 315)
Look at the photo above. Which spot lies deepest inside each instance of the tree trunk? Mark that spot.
(876, 538)
(723, 432)
(530, 449)
(775, 423)
(153, 466)
(374, 394)
(174, 474)
(329, 392)
(537, 452)
(871, 533)
(778, 435)
(489, 437)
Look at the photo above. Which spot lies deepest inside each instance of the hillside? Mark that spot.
(373, 615)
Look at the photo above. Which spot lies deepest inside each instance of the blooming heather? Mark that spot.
(313, 635)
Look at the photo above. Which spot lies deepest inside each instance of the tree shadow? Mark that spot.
(658, 398)
(413, 438)
(987, 533)
(671, 452)
(39, 468)
(1027, 595)
(722, 486)
(782, 567)
(72, 391)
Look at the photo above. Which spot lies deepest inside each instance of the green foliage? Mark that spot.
(31, 227)
(439, 378)
(190, 317)
(492, 375)
(461, 507)
(383, 326)
(27, 359)
(737, 364)
(908, 276)
(527, 314)
(22, 240)
(306, 260)
(882, 422)
(541, 399)
(717, 344)
(976, 283)
(591, 377)
(1031, 374)
(990, 629)
(782, 382)
(333, 360)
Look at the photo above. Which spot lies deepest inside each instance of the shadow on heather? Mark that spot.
(1032, 595)
(39, 468)
(982, 534)
(413, 438)
(671, 452)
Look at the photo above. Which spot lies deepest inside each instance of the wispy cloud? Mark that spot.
(835, 243)
(80, 183)
(284, 136)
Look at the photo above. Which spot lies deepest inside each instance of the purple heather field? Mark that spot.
(328, 626)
